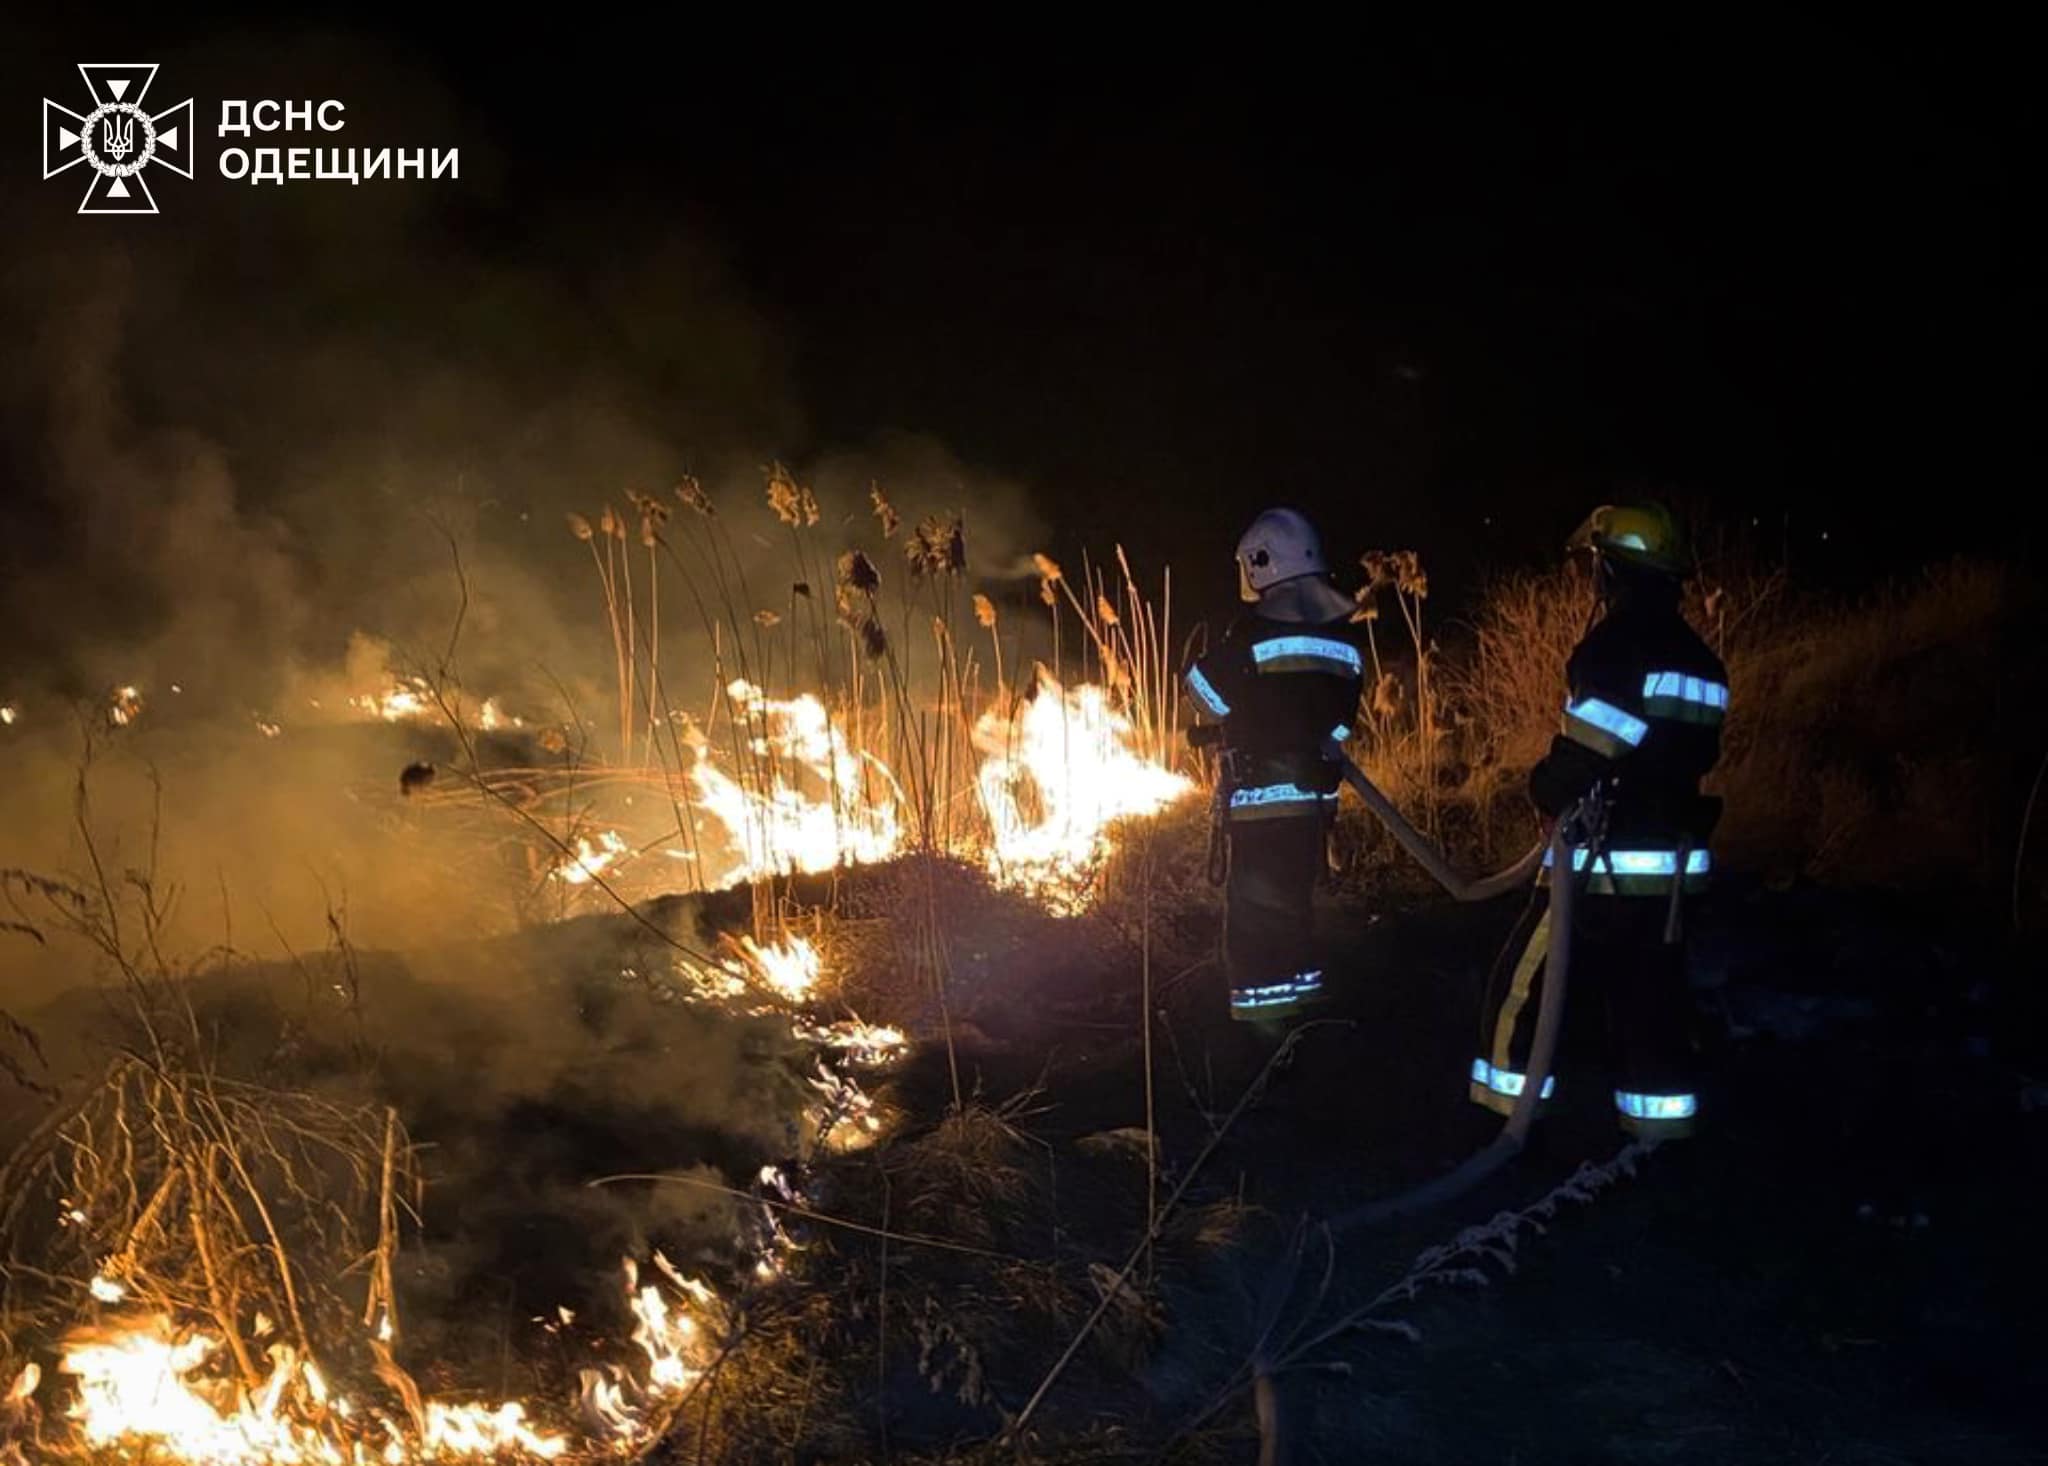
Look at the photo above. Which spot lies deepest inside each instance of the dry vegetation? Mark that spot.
(950, 1265)
(1864, 746)
(186, 1191)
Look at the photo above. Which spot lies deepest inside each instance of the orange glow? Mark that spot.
(1053, 779)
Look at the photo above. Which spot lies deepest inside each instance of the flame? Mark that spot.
(865, 1045)
(712, 984)
(809, 802)
(791, 968)
(150, 1392)
(10, 713)
(143, 1388)
(472, 1430)
(845, 1116)
(679, 1348)
(125, 708)
(796, 796)
(590, 860)
(1073, 755)
(407, 699)
(136, 1385)
(667, 1336)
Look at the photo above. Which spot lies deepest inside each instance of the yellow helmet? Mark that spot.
(1644, 534)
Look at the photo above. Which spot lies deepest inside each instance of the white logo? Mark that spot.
(117, 139)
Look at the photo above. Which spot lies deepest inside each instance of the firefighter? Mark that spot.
(1642, 725)
(1285, 677)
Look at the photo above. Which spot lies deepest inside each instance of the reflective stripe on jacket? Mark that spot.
(1279, 689)
(1642, 719)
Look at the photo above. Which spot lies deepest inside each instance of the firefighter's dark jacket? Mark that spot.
(1281, 688)
(1642, 719)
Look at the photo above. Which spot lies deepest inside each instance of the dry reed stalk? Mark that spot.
(628, 701)
(985, 614)
(383, 1290)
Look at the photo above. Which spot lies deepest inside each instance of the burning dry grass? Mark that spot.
(232, 1245)
(909, 1292)
(747, 1372)
(183, 1193)
(1058, 772)
(219, 1260)
(187, 1234)
(847, 737)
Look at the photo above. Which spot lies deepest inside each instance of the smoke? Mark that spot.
(529, 1067)
(244, 455)
(244, 449)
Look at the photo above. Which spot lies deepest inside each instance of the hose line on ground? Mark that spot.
(1514, 1134)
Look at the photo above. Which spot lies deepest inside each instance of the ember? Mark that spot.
(125, 708)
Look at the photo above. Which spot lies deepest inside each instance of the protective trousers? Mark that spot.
(1629, 1011)
(1269, 945)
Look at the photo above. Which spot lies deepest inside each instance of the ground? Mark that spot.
(1747, 1296)
(1843, 1267)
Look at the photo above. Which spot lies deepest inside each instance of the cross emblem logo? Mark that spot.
(117, 140)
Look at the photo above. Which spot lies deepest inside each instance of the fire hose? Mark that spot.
(1425, 851)
(1565, 836)
(1418, 845)
(1576, 829)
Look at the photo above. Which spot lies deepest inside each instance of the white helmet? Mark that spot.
(1281, 545)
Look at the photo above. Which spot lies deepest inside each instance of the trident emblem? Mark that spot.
(117, 137)
(117, 140)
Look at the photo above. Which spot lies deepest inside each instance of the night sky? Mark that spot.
(1443, 292)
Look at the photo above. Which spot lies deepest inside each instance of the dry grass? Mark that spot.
(1159, 875)
(895, 661)
(1218, 1225)
(187, 1192)
(1509, 690)
(1401, 728)
(1857, 745)
(1845, 757)
(966, 1171)
(775, 1387)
